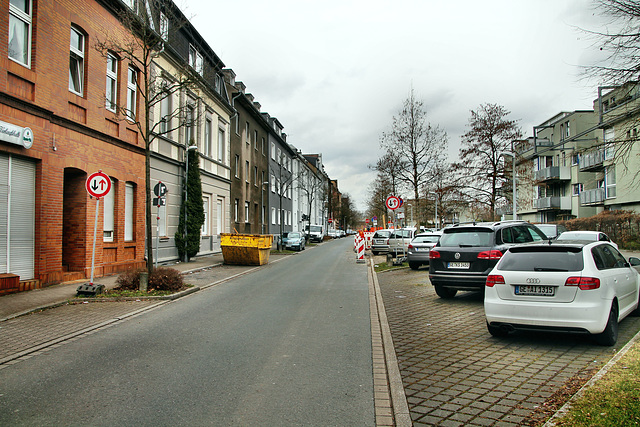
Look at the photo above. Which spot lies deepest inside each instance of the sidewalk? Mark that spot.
(14, 305)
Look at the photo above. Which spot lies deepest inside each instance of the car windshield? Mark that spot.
(466, 238)
(542, 258)
(426, 239)
(293, 235)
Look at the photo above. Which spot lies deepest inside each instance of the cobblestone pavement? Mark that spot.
(455, 373)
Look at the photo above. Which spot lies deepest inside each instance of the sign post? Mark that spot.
(159, 190)
(98, 185)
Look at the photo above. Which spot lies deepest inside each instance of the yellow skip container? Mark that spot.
(246, 249)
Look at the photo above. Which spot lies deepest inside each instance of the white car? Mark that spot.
(581, 287)
(591, 236)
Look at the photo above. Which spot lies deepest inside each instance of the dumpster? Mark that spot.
(246, 249)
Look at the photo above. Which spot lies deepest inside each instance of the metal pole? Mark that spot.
(186, 195)
(157, 234)
(95, 232)
(437, 224)
(514, 181)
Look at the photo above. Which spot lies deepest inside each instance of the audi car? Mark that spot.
(577, 287)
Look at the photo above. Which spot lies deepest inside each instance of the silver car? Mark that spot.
(294, 241)
(420, 248)
(380, 241)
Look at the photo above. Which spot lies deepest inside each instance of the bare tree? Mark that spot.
(312, 184)
(379, 190)
(140, 51)
(481, 166)
(417, 144)
(284, 184)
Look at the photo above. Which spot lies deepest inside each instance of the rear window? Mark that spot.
(547, 258)
(381, 234)
(426, 239)
(467, 238)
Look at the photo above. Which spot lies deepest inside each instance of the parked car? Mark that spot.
(379, 241)
(591, 236)
(580, 287)
(399, 240)
(294, 240)
(420, 247)
(466, 253)
(551, 230)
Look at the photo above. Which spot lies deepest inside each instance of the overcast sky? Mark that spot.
(336, 72)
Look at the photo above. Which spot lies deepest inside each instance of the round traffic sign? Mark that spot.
(392, 202)
(98, 184)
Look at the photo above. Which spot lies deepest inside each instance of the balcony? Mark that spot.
(554, 173)
(592, 197)
(562, 203)
(591, 161)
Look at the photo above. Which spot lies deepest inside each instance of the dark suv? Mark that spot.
(466, 253)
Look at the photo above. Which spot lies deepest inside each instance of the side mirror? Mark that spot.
(634, 261)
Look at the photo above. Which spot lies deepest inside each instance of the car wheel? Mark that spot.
(374, 252)
(609, 336)
(497, 331)
(445, 293)
(414, 265)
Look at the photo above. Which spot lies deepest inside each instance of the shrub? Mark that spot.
(161, 279)
(623, 227)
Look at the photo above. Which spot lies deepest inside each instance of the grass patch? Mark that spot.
(614, 400)
(126, 293)
(383, 266)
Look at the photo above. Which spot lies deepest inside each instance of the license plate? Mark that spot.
(458, 265)
(535, 290)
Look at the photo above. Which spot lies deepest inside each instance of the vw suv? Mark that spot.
(467, 252)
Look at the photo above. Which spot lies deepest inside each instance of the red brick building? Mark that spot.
(56, 128)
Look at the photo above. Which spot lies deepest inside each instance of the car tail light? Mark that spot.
(494, 279)
(493, 254)
(584, 283)
(434, 254)
(410, 246)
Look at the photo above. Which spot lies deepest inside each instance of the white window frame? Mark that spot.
(165, 113)
(273, 216)
(132, 93)
(129, 196)
(77, 60)
(111, 91)
(221, 143)
(273, 151)
(246, 132)
(190, 123)
(206, 205)
(236, 208)
(237, 171)
(577, 189)
(195, 59)
(25, 18)
(208, 140)
(108, 219)
(246, 211)
(164, 27)
(246, 171)
(610, 181)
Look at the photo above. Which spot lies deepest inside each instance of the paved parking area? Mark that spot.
(455, 373)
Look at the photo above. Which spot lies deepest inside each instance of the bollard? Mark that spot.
(144, 280)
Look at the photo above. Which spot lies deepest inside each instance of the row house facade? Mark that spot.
(55, 130)
(580, 163)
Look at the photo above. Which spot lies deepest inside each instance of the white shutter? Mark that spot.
(108, 218)
(17, 216)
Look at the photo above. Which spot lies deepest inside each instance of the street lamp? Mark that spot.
(186, 194)
(435, 196)
(262, 214)
(513, 173)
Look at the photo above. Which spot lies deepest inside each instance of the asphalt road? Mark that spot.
(289, 344)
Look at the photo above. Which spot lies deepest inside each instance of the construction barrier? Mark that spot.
(359, 244)
(246, 249)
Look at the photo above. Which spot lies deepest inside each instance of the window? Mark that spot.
(112, 82)
(165, 112)
(128, 211)
(255, 140)
(279, 158)
(76, 62)
(246, 212)
(235, 210)
(189, 133)
(273, 216)
(221, 142)
(206, 206)
(208, 141)
(108, 218)
(264, 147)
(273, 151)
(20, 31)
(132, 79)
(246, 132)
(567, 129)
(255, 176)
(195, 59)
(273, 183)
(246, 171)
(237, 174)
(164, 27)
(577, 189)
(610, 182)
(220, 215)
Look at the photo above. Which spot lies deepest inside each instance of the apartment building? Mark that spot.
(57, 127)
(249, 159)
(192, 112)
(282, 180)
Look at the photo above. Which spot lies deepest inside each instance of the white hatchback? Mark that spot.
(562, 286)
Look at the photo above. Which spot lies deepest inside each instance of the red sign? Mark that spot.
(98, 184)
(367, 220)
(393, 202)
(330, 220)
